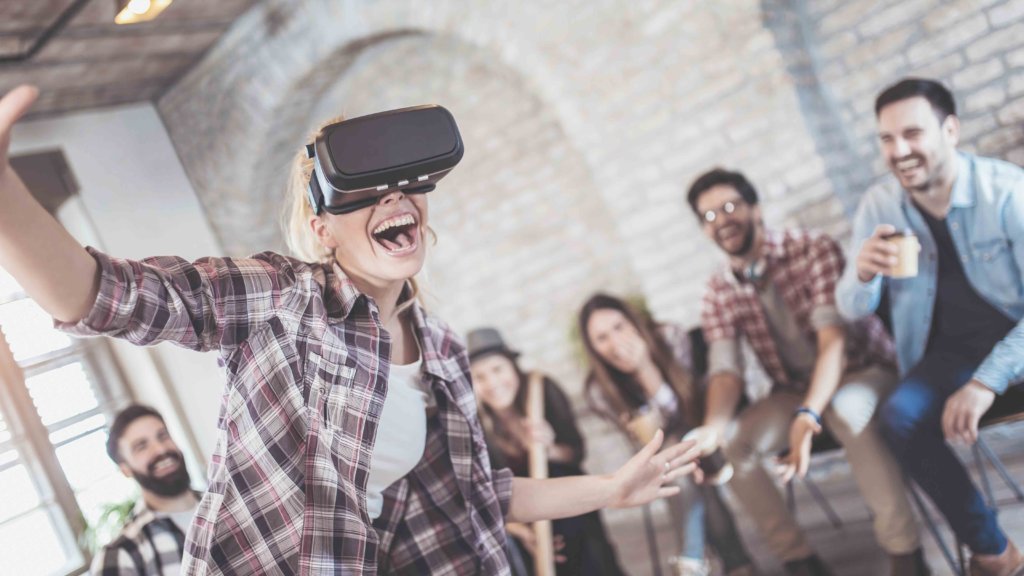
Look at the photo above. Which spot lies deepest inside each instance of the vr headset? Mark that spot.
(357, 161)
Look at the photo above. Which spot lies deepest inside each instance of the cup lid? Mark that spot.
(905, 233)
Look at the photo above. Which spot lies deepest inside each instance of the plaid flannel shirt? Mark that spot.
(148, 545)
(307, 363)
(804, 267)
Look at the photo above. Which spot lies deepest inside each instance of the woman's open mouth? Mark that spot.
(398, 235)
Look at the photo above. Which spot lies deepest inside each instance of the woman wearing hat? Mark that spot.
(501, 389)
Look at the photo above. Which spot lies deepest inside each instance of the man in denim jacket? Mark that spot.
(957, 323)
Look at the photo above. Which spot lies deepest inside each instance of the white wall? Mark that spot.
(140, 203)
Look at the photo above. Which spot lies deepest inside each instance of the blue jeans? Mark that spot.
(706, 518)
(692, 530)
(911, 422)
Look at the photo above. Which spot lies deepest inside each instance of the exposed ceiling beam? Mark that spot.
(49, 32)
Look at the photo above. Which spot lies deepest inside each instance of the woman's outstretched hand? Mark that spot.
(52, 267)
(650, 474)
(12, 107)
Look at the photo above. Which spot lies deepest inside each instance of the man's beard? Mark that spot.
(748, 241)
(175, 484)
(933, 167)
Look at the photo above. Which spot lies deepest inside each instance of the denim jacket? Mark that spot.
(986, 221)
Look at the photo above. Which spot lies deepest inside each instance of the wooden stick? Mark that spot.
(544, 560)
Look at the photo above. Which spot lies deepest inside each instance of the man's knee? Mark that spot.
(851, 411)
(898, 420)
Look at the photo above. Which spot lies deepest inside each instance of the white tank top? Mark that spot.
(401, 433)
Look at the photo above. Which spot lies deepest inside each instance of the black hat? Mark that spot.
(483, 341)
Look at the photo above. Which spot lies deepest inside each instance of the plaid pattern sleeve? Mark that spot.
(826, 263)
(209, 304)
(307, 364)
(502, 481)
(717, 318)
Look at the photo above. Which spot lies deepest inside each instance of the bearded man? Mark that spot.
(152, 541)
(778, 293)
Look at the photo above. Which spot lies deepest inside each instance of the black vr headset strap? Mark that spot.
(313, 192)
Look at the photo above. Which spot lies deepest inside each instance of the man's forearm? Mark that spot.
(725, 390)
(856, 299)
(828, 369)
(553, 498)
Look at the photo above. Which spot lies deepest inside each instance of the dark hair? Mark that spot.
(717, 177)
(934, 92)
(503, 438)
(121, 422)
(621, 391)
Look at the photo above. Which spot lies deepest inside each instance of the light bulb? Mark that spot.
(139, 7)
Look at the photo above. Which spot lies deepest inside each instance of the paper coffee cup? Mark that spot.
(908, 248)
(645, 424)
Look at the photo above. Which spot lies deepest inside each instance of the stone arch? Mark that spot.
(310, 44)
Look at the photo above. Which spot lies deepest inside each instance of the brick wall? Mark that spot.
(976, 47)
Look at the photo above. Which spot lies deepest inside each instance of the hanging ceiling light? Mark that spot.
(134, 11)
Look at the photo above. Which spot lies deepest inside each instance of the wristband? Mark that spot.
(809, 412)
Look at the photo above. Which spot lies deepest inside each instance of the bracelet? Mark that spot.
(809, 412)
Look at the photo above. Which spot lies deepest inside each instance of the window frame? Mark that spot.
(30, 438)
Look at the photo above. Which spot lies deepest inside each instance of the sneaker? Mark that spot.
(1009, 563)
(684, 566)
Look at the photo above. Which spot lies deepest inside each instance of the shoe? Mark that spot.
(909, 564)
(1009, 563)
(810, 566)
(685, 566)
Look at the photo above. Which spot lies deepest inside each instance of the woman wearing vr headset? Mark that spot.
(349, 440)
(643, 377)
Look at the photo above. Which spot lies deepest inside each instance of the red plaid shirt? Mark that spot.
(307, 363)
(804, 268)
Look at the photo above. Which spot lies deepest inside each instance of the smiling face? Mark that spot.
(918, 147)
(616, 340)
(380, 245)
(495, 381)
(734, 224)
(149, 455)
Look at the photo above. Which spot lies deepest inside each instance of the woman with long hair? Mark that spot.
(501, 389)
(642, 378)
(349, 441)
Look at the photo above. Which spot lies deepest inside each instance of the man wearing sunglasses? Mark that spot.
(777, 292)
